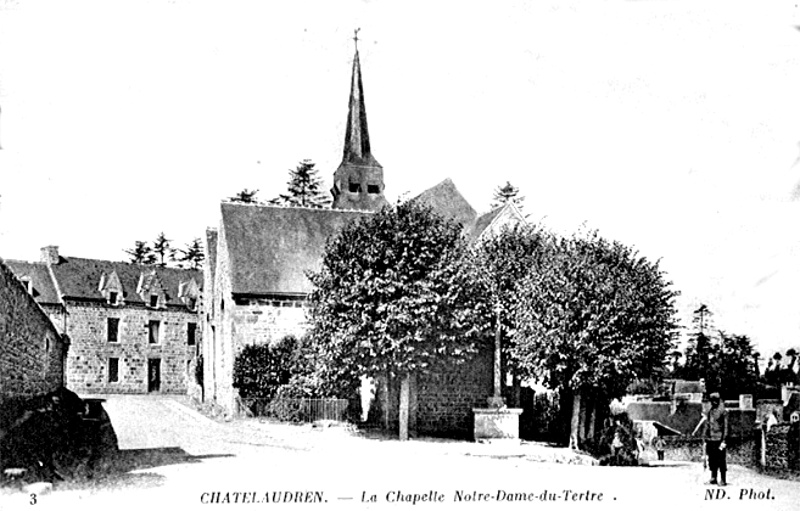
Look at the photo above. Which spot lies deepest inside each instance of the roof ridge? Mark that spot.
(135, 265)
(305, 208)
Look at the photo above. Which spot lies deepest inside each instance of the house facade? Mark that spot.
(133, 328)
(256, 279)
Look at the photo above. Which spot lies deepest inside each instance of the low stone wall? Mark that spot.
(782, 447)
(741, 450)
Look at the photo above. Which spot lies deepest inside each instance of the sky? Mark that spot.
(672, 126)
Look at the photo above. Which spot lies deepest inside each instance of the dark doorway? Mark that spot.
(154, 375)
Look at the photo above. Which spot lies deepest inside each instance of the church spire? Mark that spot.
(358, 182)
(356, 137)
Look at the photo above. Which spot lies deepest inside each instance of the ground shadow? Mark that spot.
(122, 468)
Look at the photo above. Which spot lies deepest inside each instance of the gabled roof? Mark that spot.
(446, 200)
(494, 220)
(272, 248)
(482, 223)
(44, 291)
(78, 278)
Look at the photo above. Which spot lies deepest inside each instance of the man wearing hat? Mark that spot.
(715, 431)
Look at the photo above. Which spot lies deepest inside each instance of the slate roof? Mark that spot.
(482, 222)
(44, 292)
(272, 248)
(356, 138)
(79, 278)
(446, 200)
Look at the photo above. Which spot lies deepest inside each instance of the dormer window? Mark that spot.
(355, 187)
(188, 293)
(111, 288)
(373, 189)
(153, 301)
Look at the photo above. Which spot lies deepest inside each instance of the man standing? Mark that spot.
(715, 432)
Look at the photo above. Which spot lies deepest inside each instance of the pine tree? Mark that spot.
(245, 196)
(141, 253)
(504, 194)
(304, 188)
(163, 249)
(192, 256)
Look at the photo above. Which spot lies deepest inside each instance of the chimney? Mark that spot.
(50, 254)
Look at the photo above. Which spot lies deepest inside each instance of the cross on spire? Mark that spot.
(355, 37)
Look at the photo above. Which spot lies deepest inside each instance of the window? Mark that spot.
(373, 189)
(191, 333)
(113, 370)
(355, 187)
(112, 297)
(192, 304)
(152, 330)
(113, 329)
(153, 300)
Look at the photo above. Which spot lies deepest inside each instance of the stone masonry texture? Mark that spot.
(32, 351)
(88, 362)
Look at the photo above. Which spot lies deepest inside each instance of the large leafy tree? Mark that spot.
(390, 298)
(590, 321)
(499, 262)
(304, 188)
(727, 362)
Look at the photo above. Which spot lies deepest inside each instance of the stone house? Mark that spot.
(133, 328)
(32, 351)
(256, 278)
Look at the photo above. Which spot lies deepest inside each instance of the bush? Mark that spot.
(259, 370)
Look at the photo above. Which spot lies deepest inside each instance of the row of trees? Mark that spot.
(401, 293)
(729, 363)
(162, 253)
(305, 189)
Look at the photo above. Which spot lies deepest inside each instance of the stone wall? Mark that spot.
(441, 403)
(218, 378)
(88, 362)
(32, 350)
(266, 321)
(743, 450)
(782, 447)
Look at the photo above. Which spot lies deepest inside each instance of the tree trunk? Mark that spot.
(575, 422)
(516, 394)
(386, 400)
(592, 416)
(404, 401)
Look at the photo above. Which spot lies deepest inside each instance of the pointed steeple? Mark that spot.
(356, 136)
(358, 182)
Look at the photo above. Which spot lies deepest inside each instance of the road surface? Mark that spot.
(174, 458)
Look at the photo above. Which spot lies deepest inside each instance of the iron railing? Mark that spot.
(296, 410)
